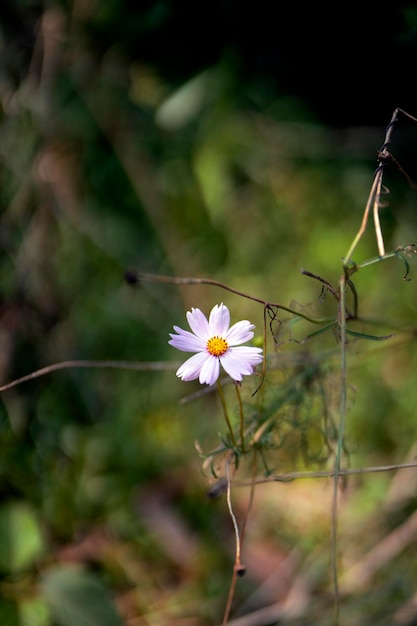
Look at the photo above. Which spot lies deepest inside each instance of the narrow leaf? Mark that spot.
(355, 333)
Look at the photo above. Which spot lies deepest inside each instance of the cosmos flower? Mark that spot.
(215, 343)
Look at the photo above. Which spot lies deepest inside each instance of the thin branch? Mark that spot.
(132, 277)
(288, 477)
(126, 365)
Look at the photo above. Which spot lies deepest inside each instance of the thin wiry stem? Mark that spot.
(288, 477)
(238, 569)
(233, 517)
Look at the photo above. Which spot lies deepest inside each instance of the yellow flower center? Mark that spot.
(217, 346)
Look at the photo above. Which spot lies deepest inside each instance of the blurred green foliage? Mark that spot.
(113, 155)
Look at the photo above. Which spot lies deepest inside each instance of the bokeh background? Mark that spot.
(227, 140)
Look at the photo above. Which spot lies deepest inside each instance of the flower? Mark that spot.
(215, 343)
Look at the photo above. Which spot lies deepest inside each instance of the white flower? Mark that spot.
(215, 343)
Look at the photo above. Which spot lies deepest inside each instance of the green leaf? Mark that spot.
(21, 541)
(75, 596)
(359, 335)
(320, 331)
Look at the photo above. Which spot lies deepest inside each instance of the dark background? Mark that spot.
(352, 66)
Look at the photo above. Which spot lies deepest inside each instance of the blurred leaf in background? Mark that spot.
(75, 597)
(21, 538)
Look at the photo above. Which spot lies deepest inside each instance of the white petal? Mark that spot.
(191, 368)
(186, 341)
(199, 324)
(247, 354)
(235, 367)
(219, 320)
(239, 333)
(240, 361)
(210, 370)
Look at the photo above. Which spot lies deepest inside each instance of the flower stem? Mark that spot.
(226, 416)
(242, 420)
(238, 569)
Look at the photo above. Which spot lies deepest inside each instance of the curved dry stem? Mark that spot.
(175, 280)
(362, 229)
(238, 569)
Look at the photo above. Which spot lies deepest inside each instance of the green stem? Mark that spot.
(376, 259)
(226, 415)
(340, 440)
(242, 421)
